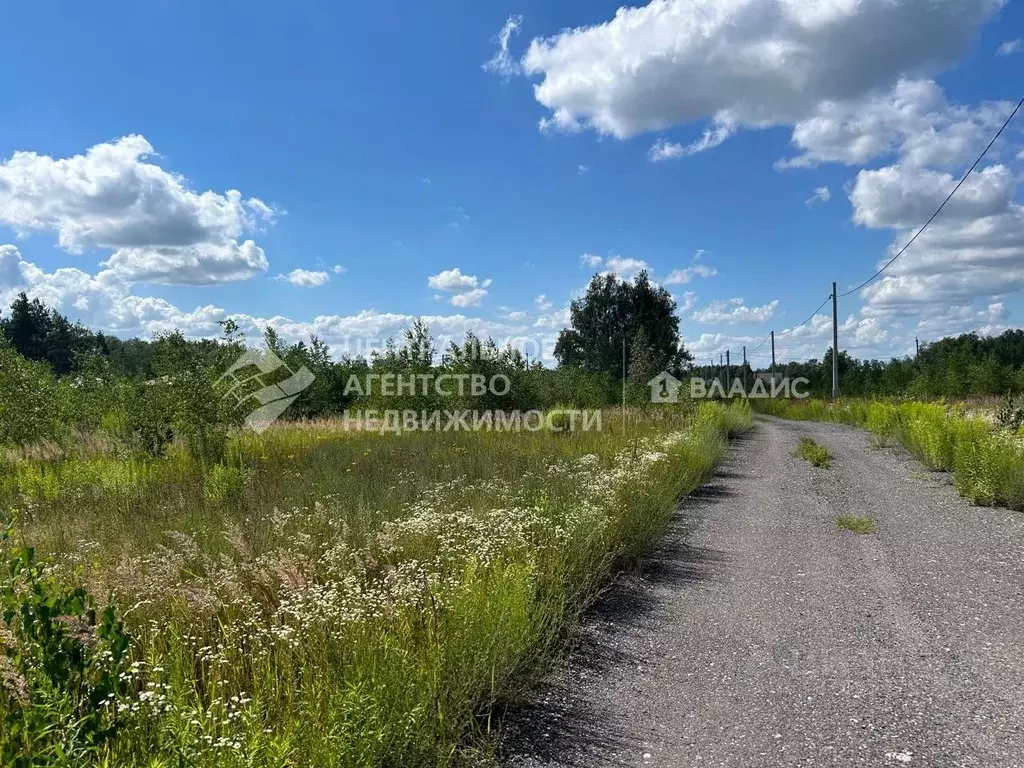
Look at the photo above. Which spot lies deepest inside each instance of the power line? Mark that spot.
(943, 205)
(805, 322)
(763, 342)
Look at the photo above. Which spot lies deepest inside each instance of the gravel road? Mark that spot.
(760, 634)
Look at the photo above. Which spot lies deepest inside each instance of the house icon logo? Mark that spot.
(664, 388)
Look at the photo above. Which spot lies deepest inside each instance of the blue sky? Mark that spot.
(384, 172)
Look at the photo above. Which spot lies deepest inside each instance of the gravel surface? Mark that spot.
(760, 634)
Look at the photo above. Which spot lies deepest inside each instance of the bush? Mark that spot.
(63, 670)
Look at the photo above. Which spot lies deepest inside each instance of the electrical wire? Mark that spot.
(938, 210)
(811, 317)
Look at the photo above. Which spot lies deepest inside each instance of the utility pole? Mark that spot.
(835, 343)
(773, 358)
(917, 345)
(743, 370)
(727, 366)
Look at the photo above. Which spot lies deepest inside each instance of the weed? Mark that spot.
(860, 525)
(816, 454)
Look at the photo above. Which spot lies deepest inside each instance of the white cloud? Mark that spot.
(554, 321)
(756, 62)
(821, 195)
(902, 197)
(98, 301)
(1010, 47)
(513, 315)
(582, 169)
(734, 312)
(913, 119)
(683, 276)
(468, 290)
(304, 278)
(199, 264)
(543, 303)
(502, 62)
(624, 267)
(469, 298)
(159, 229)
(689, 302)
(338, 269)
(972, 251)
(712, 137)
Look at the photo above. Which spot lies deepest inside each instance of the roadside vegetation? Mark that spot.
(813, 453)
(326, 598)
(985, 459)
(856, 524)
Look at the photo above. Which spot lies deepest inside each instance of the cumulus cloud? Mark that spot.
(98, 301)
(502, 62)
(913, 119)
(465, 290)
(543, 303)
(753, 62)
(590, 260)
(734, 312)
(199, 264)
(973, 250)
(684, 276)
(688, 302)
(624, 267)
(902, 197)
(158, 228)
(304, 278)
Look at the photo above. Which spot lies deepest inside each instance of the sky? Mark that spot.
(340, 170)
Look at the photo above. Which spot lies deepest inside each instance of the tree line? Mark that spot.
(59, 379)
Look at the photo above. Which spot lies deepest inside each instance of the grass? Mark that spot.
(333, 598)
(859, 525)
(813, 452)
(986, 462)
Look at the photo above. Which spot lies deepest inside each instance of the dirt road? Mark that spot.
(763, 635)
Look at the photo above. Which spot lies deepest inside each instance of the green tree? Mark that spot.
(609, 316)
(644, 365)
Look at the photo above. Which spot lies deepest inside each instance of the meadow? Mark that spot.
(983, 452)
(320, 596)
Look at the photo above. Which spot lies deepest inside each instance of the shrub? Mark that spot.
(63, 670)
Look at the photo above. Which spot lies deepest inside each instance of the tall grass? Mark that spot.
(987, 463)
(327, 598)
